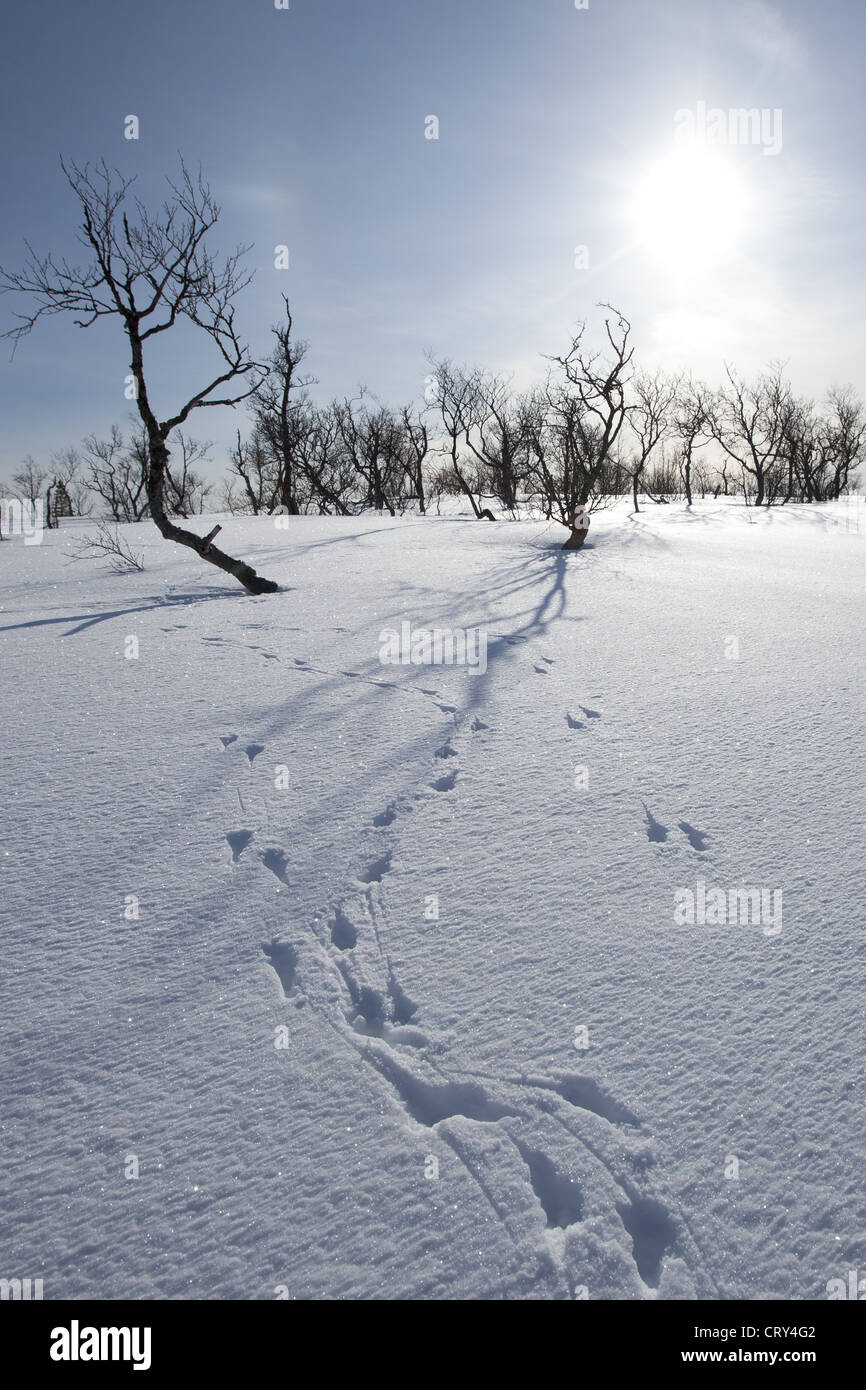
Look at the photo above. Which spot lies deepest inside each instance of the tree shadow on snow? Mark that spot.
(86, 620)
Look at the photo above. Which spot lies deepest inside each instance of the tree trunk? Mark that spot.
(287, 491)
(241, 571)
(579, 526)
(575, 540)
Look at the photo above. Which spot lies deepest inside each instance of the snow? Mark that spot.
(551, 1089)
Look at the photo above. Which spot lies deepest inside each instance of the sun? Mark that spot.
(690, 210)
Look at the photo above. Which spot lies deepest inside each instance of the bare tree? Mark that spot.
(801, 454)
(845, 440)
(374, 441)
(574, 426)
(110, 545)
(819, 450)
(250, 462)
(649, 419)
(66, 467)
(691, 426)
(327, 465)
(151, 272)
(58, 504)
(117, 472)
(28, 482)
(416, 448)
(453, 394)
(495, 434)
(663, 477)
(748, 421)
(278, 411)
(185, 489)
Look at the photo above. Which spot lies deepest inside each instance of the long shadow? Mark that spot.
(333, 690)
(543, 577)
(639, 531)
(318, 545)
(86, 620)
(548, 573)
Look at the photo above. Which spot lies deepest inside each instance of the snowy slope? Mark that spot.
(325, 1089)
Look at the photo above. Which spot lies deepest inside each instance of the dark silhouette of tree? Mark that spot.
(152, 271)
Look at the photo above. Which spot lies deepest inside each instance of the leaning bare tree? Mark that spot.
(151, 272)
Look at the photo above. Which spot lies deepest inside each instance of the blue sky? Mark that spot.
(553, 123)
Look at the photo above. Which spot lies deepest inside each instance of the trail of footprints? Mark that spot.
(568, 1170)
(656, 832)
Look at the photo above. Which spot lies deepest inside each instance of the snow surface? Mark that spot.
(285, 808)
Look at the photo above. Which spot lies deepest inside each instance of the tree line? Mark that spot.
(598, 427)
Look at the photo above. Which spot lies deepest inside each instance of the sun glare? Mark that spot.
(690, 210)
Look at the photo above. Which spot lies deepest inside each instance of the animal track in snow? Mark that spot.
(560, 1196)
(238, 841)
(375, 872)
(343, 932)
(542, 671)
(573, 1171)
(394, 1036)
(253, 750)
(574, 723)
(656, 832)
(560, 1161)
(446, 751)
(386, 1015)
(283, 959)
(276, 861)
(590, 713)
(586, 1094)
(430, 1103)
(696, 838)
(653, 1233)
(226, 739)
(395, 808)
(403, 1009)
(476, 725)
(446, 783)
